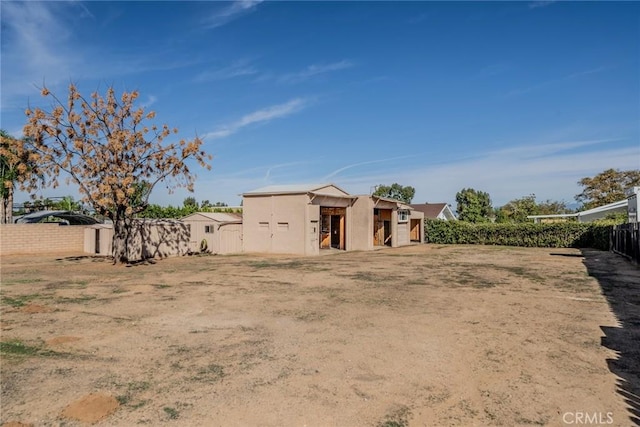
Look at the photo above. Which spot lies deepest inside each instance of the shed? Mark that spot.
(297, 219)
(215, 232)
(309, 219)
(393, 223)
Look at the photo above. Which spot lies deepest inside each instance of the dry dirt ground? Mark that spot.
(422, 335)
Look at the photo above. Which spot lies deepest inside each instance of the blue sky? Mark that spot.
(512, 98)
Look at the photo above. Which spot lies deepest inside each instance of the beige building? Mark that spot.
(307, 219)
(215, 232)
(151, 238)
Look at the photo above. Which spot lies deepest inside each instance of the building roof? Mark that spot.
(619, 205)
(292, 189)
(401, 204)
(67, 217)
(430, 210)
(216, 216)
(604, 208)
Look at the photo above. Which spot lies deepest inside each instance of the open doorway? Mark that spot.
(415, 234)
(335, 231)
(333, 228)
(382, 227)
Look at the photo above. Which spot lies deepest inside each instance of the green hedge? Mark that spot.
(554, 235)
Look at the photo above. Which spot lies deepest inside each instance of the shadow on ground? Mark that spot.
(82, 258)
(619, 280)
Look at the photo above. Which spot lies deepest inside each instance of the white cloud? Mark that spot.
(227, 186)
(149, 102)
(547, 149)
(541, 3)
(38, 47)
(272, 168)
(227, 14)
(521, 91)
(493, 70)
(236, 69)
(550, 171)
(35, 48)
(314, 70)
(259, 116)
(355, 165)
(86, 13)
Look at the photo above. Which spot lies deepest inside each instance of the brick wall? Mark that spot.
(40, 238)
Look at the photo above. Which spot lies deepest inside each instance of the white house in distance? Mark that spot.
(435, 211)
(633, 194)
(589, 215)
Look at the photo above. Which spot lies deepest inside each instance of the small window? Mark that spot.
(208, 228)
(403, 215)
(283, 226)
(263, 224)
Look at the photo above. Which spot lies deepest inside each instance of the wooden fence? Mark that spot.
(625, 240)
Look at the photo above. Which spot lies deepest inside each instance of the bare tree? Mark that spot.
(105, 146)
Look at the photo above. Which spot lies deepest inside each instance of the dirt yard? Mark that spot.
(417, 336)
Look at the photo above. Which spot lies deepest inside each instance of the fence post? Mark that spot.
(625, 240)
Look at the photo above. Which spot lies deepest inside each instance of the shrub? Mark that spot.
(554, 235)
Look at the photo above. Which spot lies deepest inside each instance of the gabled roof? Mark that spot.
(432, 210)
(293, 189)
(401, 204)
(215, 216)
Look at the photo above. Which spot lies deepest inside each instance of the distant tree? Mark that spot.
(17, 167)
(606, 187)
(9, 162)
(41, 204)
(190, 202)
(473, 205)
(553, 207)
(157, 211)
(67, 203)
(517, 210)
(207, 206)
(106, 147)
(141, 191)
(161, 212)
(396, 191)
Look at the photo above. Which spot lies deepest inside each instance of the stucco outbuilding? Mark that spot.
(309, 219)
(215, 232)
